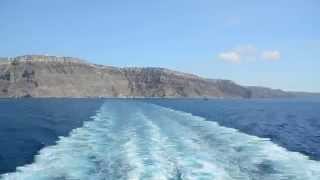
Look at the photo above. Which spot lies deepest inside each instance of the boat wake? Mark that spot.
(135, 140)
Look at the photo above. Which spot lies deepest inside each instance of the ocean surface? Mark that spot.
(106, 139)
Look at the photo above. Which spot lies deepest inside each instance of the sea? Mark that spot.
(160, 139)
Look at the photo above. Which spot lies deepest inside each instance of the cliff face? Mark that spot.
(156, 82)
(263, 92)
(41, 76)
(50, 76)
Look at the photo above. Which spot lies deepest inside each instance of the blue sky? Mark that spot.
(273, 43)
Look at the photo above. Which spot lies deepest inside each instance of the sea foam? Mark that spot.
(135, 140)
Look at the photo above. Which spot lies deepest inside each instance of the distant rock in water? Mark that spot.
(51, 76)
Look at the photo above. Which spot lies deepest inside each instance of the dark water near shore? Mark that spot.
(28, 125)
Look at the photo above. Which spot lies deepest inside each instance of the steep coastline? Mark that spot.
(51, 76)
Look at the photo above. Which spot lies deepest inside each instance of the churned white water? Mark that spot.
(135, 140)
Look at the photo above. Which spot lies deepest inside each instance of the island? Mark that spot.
(53, 76)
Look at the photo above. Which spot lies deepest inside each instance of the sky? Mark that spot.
(274, 43)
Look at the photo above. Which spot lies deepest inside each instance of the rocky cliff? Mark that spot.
(264, 92)
(50, 76)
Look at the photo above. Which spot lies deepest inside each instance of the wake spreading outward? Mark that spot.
(135, 140)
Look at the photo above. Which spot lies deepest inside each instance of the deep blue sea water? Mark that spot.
(27, 125)
(159, 139)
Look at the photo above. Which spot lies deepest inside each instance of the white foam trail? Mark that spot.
(132, 140)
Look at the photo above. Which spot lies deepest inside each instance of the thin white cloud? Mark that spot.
(239, 54)
(246, 53)
(272, 55)
(230, 56)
